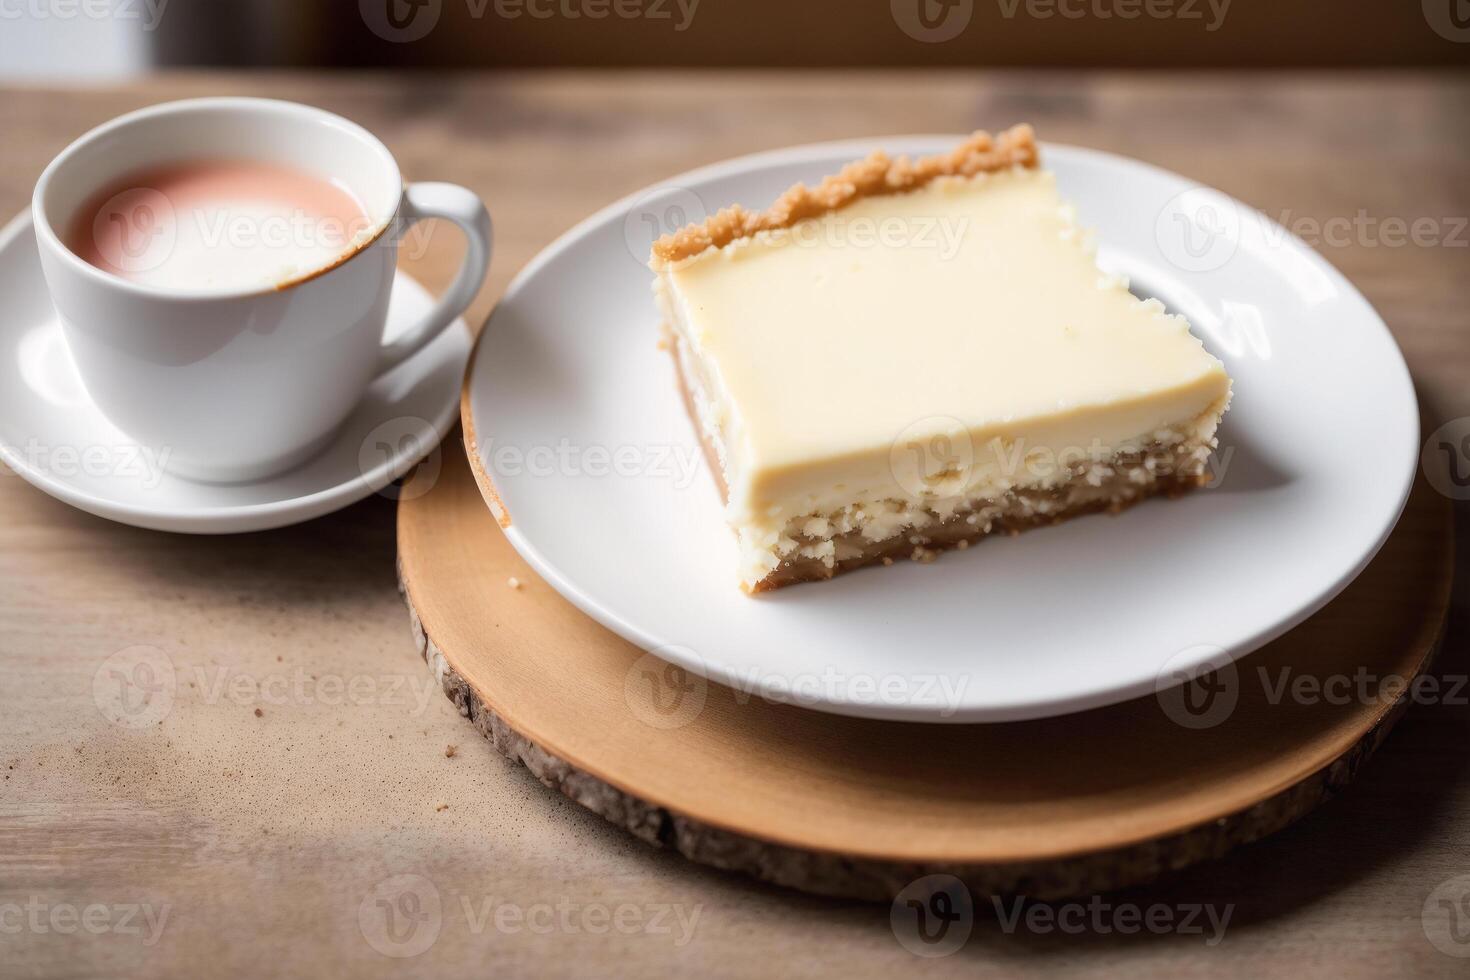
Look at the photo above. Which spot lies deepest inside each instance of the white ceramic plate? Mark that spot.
(579, 427)
(53, 436)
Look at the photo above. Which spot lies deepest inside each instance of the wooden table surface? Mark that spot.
(302, 759)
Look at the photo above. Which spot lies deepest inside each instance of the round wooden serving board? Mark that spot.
(854, 807)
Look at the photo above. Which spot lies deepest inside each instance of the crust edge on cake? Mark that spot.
(875, 175)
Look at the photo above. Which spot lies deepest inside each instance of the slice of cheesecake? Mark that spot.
(916, 353)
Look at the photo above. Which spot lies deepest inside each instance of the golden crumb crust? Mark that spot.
(869, 177)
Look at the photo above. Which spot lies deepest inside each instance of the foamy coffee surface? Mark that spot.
(219, 224)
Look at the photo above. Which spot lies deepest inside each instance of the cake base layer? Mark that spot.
(1015, 512)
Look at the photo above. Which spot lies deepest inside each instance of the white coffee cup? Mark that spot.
(239, 384)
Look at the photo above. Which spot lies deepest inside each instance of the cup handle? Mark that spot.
(464, 208)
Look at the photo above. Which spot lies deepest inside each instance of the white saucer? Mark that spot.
(1321, 443)
(53, 436)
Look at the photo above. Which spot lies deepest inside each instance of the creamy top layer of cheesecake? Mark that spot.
(970, 310)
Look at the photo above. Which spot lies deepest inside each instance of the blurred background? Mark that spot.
(57, 40)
